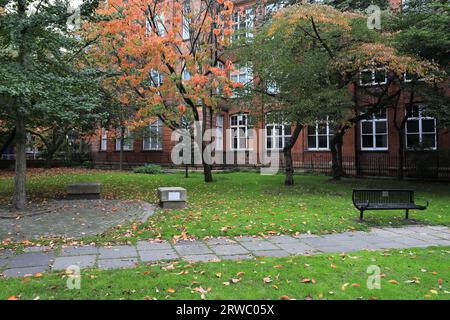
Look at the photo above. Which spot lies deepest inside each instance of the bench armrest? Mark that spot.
(423, 200)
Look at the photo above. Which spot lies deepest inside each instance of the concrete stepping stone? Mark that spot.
(62, 263)
(117, 263)
(145, 246)
(21, 272)
(201, 258)
(158, 255)
(229, 249)
(34, 259)
(117, 252)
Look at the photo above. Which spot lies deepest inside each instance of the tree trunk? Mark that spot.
(289, 179)
(49, 159)
(19, 196)
(122, 140)
(401, 155)
(207, 168)
(287, 151)
(337, 170)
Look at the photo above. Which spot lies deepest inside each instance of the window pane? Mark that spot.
(428, 125)
(366, 127)
(322, 128)
(381, 141)
(380, 127)
(323, 142)
(413, 141)
(269, 130)
(286, 141)
(287, 130)
(269, 143)
(428, 140)
(312, 142)
(412, 126)
(311, 130)
(367, 141)
(380, 76)
(366, 77)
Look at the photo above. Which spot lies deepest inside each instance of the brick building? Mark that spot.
(371, 147)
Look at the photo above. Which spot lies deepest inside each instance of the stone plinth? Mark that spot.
(83, 190)
(172, 197)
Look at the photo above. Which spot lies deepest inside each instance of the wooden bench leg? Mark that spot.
(361, 212)
(407, 214)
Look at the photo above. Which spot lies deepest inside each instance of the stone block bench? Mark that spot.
(172, 197)
(83, 190)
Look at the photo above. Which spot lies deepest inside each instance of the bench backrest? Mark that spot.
(361, 196)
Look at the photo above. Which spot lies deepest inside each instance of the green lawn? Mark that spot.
(407, 274)
(242, 203)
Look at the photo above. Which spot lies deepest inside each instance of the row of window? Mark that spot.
(152, 140)
(420, 133)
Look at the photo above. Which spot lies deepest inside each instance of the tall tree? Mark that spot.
(328, 49)
(41, 75)
(169, 59)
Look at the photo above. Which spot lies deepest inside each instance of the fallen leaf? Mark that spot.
(13, 298)
(170, 290)
(267, 280)
(393, 281)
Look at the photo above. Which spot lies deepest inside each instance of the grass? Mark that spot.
(405, 274)
(242, 203)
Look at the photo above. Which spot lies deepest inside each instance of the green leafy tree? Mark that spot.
(42, 79)
(311, 53)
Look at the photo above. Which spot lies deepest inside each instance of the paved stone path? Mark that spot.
(74, 218)
(42, 259)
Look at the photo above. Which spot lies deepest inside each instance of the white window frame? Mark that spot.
(317, 135)
(238, 128)
(155, 74)
(373, 73)
(275, 136)
(411, 79)
(219, 132)
(420, 118)
(160, 28)
(158, 125)
(128, 139)
(374, 119)
(104, 140)
(185, 22)
(247, 19)
(243, 73)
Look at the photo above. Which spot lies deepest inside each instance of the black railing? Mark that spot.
(423, 165)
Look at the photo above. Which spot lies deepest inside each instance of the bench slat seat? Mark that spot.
(382, 199)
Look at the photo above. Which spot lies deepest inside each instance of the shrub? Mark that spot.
(149, 168)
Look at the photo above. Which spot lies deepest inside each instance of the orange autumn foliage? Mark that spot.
(143, 47)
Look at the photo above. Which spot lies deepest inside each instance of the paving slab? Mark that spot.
(117, 252)
(259, 245)
(238, 257)
(33, 259)
(201, 258)
(78, 251)
(20, 272)
(246, 239)
(214, 241)
(282, 239)
(62, 263)
(193, 248)
(270, 253)
(120, 263)
(229, 249)
(145, 246)
(296, 248)
(37, 249)
(153, 256)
